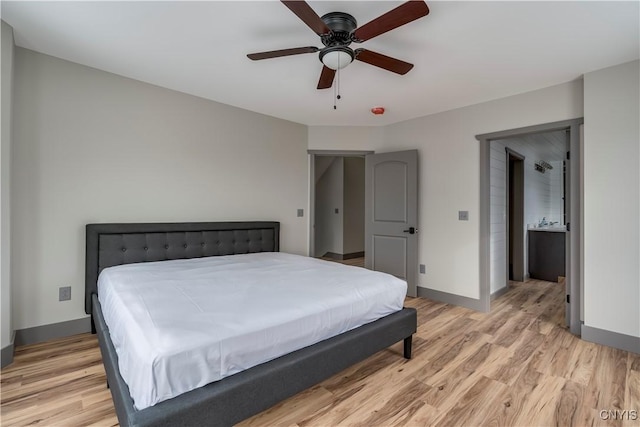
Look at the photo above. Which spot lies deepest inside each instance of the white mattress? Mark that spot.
(178, 325)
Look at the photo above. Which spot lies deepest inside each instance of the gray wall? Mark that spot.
(5, 190)
(612, 199)
(329, 197)
(90, 146)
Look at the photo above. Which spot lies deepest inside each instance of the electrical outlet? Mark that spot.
(463, 215)
(64, 293)
(422, 269)
(300, 212)
(337, 210)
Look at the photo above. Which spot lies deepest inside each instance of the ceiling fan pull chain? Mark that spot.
(338, 84)
(336, 87)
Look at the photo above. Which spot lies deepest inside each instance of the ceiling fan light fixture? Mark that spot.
(336, 57)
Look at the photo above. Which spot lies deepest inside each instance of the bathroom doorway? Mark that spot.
(515, 215)
(495, 255)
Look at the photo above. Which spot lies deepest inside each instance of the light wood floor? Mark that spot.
(516, 366)
(357, 262)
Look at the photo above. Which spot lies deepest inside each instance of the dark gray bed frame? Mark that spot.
(234, 398)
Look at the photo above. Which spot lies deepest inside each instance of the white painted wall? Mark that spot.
(353, 205)
(449, 172)
(612, 199)
(329, 197)
(360, 138)
(91, 146)
(539, 192)
(5, 186)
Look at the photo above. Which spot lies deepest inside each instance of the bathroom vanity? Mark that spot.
(546, 252)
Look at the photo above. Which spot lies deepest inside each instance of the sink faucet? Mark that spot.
(543, 222)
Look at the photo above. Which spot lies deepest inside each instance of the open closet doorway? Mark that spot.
(337, 212)
(389, 204)
(549, 231)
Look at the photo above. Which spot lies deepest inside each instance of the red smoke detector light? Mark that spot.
(377, 110)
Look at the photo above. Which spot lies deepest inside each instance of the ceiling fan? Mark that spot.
(337, 30)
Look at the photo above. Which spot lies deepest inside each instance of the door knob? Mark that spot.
(410, 230)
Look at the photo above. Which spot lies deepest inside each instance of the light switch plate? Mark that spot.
(64, 293)
(300, 212)
(422, 269)
(463, 215)
(337, 210)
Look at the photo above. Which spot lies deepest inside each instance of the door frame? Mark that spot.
(312, 185)
(573, 237)
(518, 203)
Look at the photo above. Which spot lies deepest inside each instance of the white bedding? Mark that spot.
(178, 325)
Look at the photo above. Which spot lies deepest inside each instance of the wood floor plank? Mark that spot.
(424, 415)
(523, 352)
(515, 366)
(476, 404)
(582, 362)
(300, 406)
(540, 406)
(568, 405)
(632, 399)
(509, 405)
(634, 361)
(373, 400)
(448, 390)
(394, 406)
(610, 378)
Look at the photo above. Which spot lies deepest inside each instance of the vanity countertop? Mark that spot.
(554, 228)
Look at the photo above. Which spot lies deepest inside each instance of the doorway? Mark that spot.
(336, 208)
(488, 272)
(339, 207)
(390, 210)
(515, 215)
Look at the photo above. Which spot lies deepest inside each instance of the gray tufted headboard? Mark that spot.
(115, 244)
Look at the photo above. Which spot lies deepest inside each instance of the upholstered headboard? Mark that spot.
(115, 244)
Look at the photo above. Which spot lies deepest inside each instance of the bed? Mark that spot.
(243, 394)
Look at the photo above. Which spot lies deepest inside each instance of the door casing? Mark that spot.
(573, 237)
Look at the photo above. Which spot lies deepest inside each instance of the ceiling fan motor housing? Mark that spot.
(337, 54)
(341, 25)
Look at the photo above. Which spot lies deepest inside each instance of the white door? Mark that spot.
(391, 215)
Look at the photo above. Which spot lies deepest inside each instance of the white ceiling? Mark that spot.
(464, 52)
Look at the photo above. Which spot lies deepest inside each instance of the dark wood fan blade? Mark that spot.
(308, 16)
(403, 14)
(282, 52)
(326, 78)
(383, 61)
